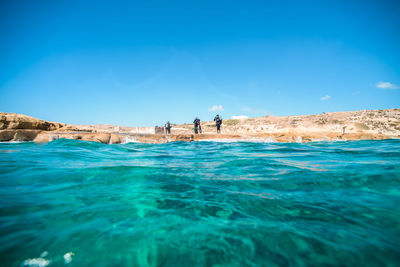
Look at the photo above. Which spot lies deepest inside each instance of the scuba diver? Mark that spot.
(168, 128)
(218, 122)
(197, 126)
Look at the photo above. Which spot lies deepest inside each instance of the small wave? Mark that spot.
(15, 142)
(241, 140)
(36, 262)
(129, 139)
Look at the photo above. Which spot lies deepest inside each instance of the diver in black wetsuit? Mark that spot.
(168, 127)
(218, 122)
(197, 126)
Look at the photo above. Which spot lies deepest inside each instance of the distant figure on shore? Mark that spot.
(344, 129)
(218, 122)
(197, 126)
(168, 128)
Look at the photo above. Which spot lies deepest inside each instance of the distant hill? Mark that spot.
(382, 122)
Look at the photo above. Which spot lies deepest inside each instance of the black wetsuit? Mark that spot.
(218, 122)
(197, 126)
(168, 128)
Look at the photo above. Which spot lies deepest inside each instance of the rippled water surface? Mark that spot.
(200, 204)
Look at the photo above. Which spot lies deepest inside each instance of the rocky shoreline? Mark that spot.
(118, 138)
(356, 125)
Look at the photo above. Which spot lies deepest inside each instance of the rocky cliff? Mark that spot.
(19, 121)
(352, 125)
(19, 127)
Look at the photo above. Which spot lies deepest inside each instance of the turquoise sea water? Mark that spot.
(200, 204)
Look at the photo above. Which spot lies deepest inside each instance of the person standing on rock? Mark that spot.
(197, 126)
(168, 128)
(218, 122)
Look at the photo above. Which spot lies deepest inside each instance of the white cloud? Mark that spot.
(240, 117)
(254, 111)
(325, 97)
(386, 85)
(216, 108)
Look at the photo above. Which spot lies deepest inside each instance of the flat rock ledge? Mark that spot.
(117, 138)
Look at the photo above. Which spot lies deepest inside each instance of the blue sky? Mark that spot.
(141, 63)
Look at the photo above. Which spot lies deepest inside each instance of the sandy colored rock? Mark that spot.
(100, 137)
(353, 125)
(185, 138)
(116, 139)
(18, 135)
(43, 137)
(7, 135)
(372, 122)
(25, 135)
(20, 121)
(84, 136)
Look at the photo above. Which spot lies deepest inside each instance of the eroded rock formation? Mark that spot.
(354, 125)
(20, 121)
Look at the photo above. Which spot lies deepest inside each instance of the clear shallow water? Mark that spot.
(200, 204)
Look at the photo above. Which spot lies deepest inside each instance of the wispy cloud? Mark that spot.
(216, 108)
(240, 117)
(254, 111)
(386, 85)
(325, 97)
